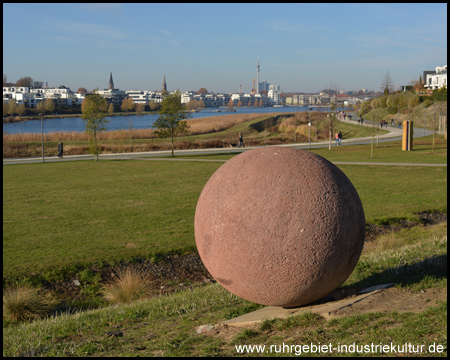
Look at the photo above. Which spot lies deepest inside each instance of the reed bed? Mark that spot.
(79, 135)
(220, 123)
(197, 126)
(29, 144)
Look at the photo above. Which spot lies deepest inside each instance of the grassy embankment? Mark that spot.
(53, 219)
(210, 132)
(421, 114)
(165, 326)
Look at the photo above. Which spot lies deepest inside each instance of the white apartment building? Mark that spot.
(31, 97)
(274, 96)
(275, 88)
(251, 99)
(143, 96)
(10, 92)
(21, 95)
(437, 80)
(210, 100)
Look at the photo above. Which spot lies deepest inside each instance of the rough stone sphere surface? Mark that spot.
(279, 226)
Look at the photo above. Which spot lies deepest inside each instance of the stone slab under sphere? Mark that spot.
(279, 226)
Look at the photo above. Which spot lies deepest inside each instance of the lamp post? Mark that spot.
(331, 119)
(310, 109)
(309, 124)
(42, 135)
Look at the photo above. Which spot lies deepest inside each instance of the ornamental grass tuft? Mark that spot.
(129, 285)
(23, 303)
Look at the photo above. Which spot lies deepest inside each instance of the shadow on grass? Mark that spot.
(433, 267)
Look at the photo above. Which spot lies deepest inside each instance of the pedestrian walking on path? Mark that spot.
(60, 149)
(241, 141)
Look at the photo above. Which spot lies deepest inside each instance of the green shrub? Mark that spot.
(89, 276)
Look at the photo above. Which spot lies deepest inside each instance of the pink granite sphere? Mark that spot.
(279, 226)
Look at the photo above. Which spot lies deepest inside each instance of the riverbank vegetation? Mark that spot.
(209, 132)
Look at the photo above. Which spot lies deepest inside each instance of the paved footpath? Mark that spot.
(394, 134)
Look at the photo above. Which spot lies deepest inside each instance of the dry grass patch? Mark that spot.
(129, 285)
(212, 124)
(22, 303)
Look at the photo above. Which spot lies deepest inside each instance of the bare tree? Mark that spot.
(139, 107)
(26, 81)
(202, 91)
(387, 83)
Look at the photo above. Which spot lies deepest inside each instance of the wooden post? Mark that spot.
(407, 141)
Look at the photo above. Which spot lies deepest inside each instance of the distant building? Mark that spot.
(111, 82)
(164, 85)
(264, 85)
(112, 95)
(61, 95)
(438, 79)
(275, 96)
(275, 88)
(143, 96)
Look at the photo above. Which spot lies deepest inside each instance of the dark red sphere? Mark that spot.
(279, 226)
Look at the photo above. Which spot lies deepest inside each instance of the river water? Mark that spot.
(126, 122)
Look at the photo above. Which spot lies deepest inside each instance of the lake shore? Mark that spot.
(17, 119)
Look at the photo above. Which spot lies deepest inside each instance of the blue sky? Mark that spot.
(301, 47)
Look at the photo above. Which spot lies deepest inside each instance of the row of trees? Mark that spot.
(129, 105)
(256, 103)
(12, 108)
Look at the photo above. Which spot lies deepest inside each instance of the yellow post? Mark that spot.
(407, 141)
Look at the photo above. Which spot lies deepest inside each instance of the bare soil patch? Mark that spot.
(427, 219)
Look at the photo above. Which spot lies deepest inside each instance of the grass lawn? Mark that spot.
(85, 212)
(88, 212)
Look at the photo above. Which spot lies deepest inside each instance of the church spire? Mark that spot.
(111, 82)
(164, 85)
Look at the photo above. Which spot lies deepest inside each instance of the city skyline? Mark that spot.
(301, 47)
